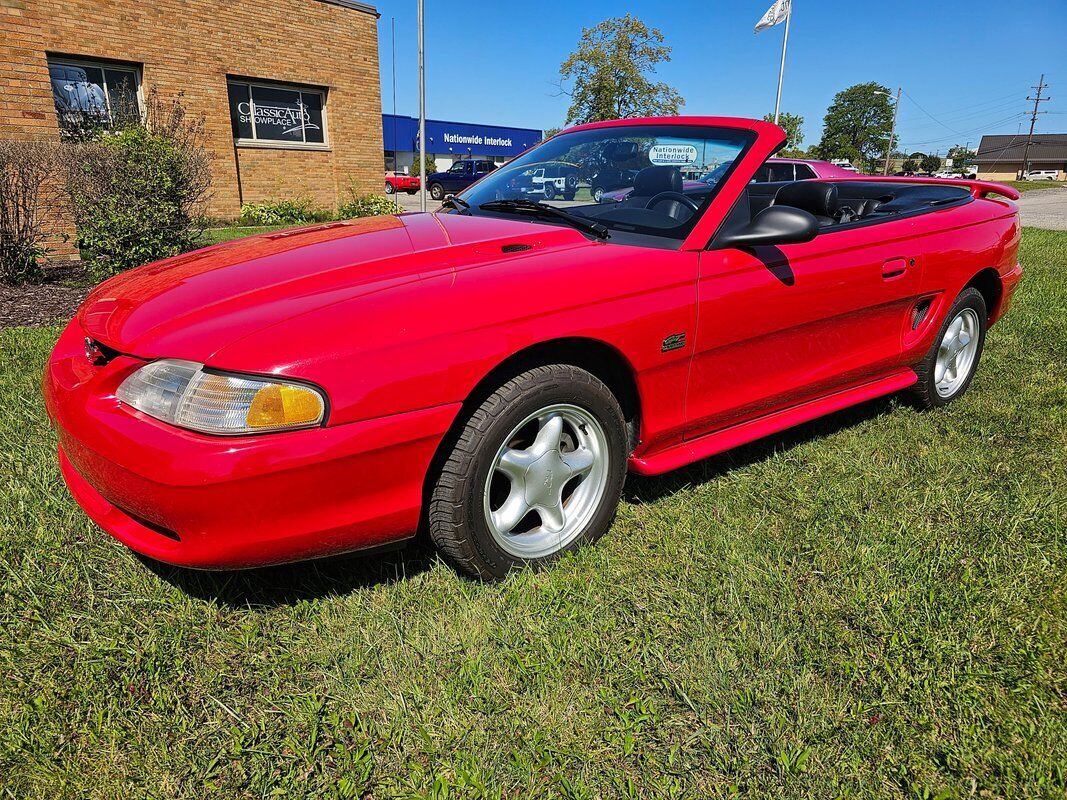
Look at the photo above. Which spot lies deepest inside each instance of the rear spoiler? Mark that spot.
(978, 189)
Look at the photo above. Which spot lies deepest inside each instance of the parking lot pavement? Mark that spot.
(410, 202)
(1045, 208)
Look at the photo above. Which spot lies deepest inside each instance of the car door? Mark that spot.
(779, 326)
(456, 177)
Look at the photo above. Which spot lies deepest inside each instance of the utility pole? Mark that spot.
(1041, 86)
(892, 132)
(422, 110)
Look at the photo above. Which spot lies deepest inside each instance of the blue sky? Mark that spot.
(966, 67)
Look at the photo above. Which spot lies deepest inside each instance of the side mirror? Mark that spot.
(774, 225)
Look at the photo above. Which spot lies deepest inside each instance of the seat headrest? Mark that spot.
(653, 180)
(814, 197)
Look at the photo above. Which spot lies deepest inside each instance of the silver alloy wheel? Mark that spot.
(547, 481)
(957, 352)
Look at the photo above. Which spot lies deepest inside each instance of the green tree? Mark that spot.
(912, 162)
(793, 125)
(962, 159)
(857, 125)
(431, 164)
(610, 70)
(930, 164)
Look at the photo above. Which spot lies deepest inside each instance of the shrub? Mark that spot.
(431, 165)
(369, 205)
(29, 188)
(138, 189)
(300, 211)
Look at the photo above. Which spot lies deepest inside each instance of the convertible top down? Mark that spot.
(490, 371)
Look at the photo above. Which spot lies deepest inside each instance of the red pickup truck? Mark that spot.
(401, 183)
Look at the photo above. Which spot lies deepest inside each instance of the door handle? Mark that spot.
(894, 268)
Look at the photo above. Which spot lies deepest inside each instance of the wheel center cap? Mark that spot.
(543, 480)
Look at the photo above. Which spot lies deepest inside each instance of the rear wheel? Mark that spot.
(947, 370)
(598, 194)
(389, 188)
(437, 191)
(536, 471)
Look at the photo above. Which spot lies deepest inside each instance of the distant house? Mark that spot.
(1000, 158)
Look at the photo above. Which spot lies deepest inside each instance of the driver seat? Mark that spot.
(651, 181)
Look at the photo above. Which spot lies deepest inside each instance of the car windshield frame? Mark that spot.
(558, 149)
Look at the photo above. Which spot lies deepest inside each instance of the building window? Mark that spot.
(274, 114)
(92, 92)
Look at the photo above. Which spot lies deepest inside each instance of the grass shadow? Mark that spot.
(289, 584)
(650, 489)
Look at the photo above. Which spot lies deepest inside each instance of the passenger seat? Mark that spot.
(817, 198)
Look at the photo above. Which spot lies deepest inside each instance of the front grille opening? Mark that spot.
(919, 314)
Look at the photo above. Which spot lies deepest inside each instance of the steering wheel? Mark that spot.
(656, 199)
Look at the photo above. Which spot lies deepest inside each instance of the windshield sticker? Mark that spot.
(674, 155)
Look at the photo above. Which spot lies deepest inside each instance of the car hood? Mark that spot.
(193, 305)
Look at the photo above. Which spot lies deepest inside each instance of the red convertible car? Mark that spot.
(489, 373)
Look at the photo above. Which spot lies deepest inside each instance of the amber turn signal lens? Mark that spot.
(282, 406)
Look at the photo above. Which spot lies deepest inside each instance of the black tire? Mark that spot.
(389, 188)
(437, 191)
(550, 190)
(456, 518)
(924, 393)
(568, 196)
(598, 194)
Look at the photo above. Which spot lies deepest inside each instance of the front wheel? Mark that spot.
(947, 370)
(437, 191)
(536, 471)
(550, 190)
(389, 188)
(598, 194)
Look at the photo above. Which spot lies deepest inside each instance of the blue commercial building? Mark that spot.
(451, 141)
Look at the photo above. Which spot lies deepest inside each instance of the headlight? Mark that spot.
(183, 393)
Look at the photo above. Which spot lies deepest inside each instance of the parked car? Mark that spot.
(773, 170)
(609, 180)
(489, 372)
(399, 182)
(549, 181)
(457, 177)
(1042, 175)
(845, 164)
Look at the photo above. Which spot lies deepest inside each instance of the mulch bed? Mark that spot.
(49, 303)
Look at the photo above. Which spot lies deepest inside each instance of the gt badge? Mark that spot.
(676, 341)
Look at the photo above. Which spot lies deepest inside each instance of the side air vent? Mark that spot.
(919, 314)
(515, 248)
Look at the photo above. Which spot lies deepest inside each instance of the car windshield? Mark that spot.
(633, 179)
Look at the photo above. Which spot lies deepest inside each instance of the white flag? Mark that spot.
(775, 14)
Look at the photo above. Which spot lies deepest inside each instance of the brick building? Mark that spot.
(289, 89)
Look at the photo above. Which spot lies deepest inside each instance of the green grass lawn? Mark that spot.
(873, 605)
(1033, 186)
(219, 235)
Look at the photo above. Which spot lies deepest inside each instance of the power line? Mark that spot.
(980, 128)
(931, 116)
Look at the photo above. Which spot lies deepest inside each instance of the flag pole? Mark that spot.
(422, 109)
(781, 69)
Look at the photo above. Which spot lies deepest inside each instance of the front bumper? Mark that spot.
(229, 502)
